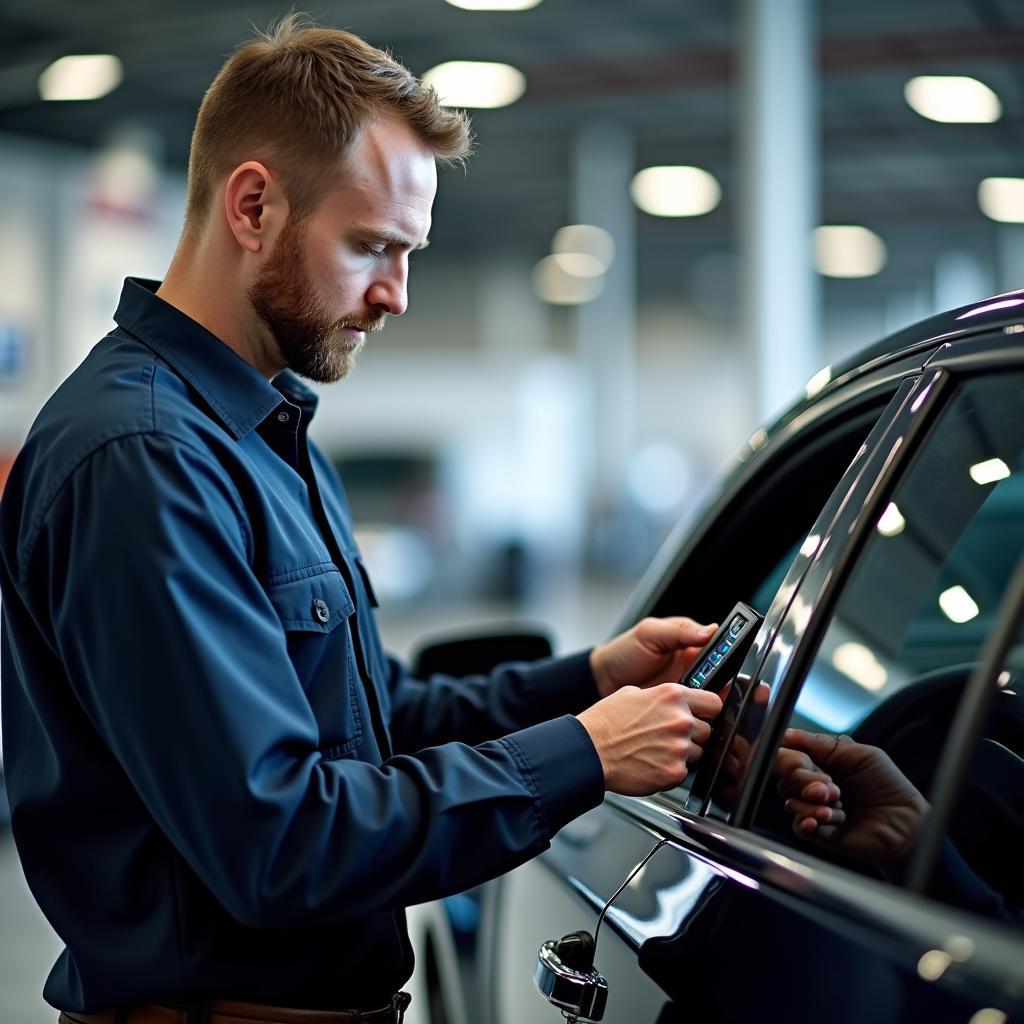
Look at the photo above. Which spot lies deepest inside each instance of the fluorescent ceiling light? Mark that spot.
(675, 191)
(555, 285)
(579, 264)
(958, 605)
(859, 663)
(848, 250)
(1002, 199)
(989, 472)
(86, 76)
(891, 521)
(473, 83)
(953, 99)
(585, 238)
(494, 5)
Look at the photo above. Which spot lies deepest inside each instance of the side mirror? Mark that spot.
(463, 656)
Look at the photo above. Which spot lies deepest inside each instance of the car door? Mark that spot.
(734, 916)
(743, 547)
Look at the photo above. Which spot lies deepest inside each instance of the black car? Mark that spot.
(879, 527)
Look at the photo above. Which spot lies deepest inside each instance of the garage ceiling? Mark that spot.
(667, 68)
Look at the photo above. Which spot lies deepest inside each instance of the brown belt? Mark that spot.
(226, 1012)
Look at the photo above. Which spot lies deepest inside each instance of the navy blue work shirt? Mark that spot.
(221, 786)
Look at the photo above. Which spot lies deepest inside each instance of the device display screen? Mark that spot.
(718, 662)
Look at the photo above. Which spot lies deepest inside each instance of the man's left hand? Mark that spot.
(654, 651)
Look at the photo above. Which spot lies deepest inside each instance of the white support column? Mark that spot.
(605, 327)
(780, 197)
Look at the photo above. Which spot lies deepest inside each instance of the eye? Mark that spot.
(373, 253)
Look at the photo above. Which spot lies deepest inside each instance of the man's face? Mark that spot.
(335, 276)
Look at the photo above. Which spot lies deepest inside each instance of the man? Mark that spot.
(224, 792)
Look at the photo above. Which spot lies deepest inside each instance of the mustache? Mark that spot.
(368, 324)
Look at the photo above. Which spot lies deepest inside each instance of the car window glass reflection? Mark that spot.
(981, 863)
(857, 763)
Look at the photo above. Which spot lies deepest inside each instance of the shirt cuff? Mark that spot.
(561, 767)
(561, 686)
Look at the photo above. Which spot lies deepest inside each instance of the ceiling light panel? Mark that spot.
(958, 606)
(1002, 199)
(989, 472)
(953, 99)
(891, 523)
(494, 5)
(479, 84)
(585, 238)
(556, 286)
(675, 191)
(848, 250)
(85, 76)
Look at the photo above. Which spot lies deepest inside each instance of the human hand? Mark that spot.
(646, 738)
(849, 796)
(654, 651)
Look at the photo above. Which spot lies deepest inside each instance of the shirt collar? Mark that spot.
(237, 393)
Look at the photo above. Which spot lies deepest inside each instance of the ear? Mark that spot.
(254, 205)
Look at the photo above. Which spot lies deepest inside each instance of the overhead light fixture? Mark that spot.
(989, 472)
(848, 250)
(859, 663)
(891, 523)
(586, 239)
(84, 76)
(957, 605)
(1002, 199)
(579, 264)
(953, 99)
(494, 5)
(675, 191)
(555, 285)
(476, 83)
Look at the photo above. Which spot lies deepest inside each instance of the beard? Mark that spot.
(285, 298)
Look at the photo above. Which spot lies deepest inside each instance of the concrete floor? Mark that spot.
(28, 947)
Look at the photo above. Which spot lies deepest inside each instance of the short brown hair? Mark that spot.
(295, 97)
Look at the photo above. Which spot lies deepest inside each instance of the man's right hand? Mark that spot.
(646, 738)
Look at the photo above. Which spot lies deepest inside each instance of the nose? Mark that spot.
(389, 290)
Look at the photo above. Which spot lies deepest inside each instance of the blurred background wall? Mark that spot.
(680, 216)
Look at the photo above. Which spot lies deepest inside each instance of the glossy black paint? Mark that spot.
(724, 924)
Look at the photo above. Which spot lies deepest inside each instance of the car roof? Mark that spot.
(997, 311)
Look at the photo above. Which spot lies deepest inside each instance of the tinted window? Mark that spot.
(906, 633)
(981, 862)
(749, 548)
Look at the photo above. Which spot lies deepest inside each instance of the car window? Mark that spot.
(875, 708)
(750, 546)
(980, 865)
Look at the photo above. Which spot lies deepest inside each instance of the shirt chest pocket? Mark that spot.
(314, 607)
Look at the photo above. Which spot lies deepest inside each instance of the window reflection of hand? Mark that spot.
(849, 797)
(737, 758)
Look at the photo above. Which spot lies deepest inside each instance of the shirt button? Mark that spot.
(320, 610)
(282, 417)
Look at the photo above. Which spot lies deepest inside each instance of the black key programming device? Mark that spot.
(718, 662)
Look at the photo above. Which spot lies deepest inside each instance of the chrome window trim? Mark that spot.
(841, 538)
